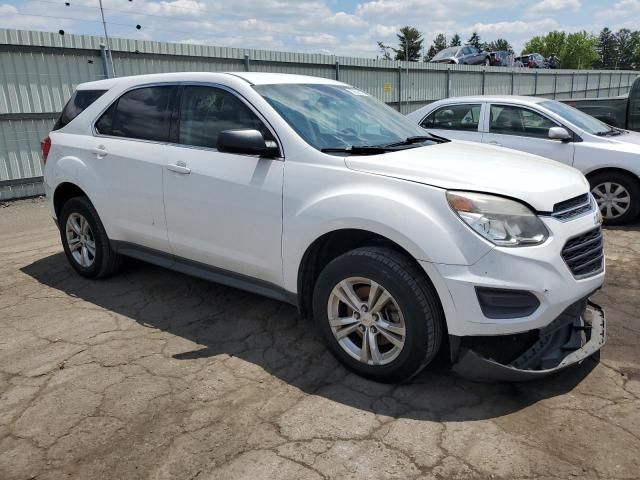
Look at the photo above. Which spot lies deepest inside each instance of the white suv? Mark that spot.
(307, 190)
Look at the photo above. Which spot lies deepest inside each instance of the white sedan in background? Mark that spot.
(609, 157)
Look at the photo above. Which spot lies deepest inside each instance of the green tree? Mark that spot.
(410, 42)
(546, 45)
(385, 51)
(580, 51)
(498, 45)
(575, 50)
(635, 59)
(455, 40)
(607, 47)
(474, 40)
(439, 43)
(626, 44)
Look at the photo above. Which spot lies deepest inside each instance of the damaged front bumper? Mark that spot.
(578, 333)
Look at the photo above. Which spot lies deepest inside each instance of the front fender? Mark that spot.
(414, 216)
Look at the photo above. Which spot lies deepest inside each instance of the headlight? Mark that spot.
(504, 222)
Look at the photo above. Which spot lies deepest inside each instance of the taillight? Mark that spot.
(45, 145)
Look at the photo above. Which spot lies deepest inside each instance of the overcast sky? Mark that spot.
(340, 27)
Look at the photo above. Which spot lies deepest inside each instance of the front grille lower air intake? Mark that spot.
(584, 254)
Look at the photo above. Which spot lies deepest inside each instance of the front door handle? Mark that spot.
(100, 151)
(179, 167)
(493, 142)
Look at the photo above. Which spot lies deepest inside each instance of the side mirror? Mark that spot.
(247, 142)
(559, 133)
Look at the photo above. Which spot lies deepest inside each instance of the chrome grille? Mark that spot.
(584, 254)
(574, 207)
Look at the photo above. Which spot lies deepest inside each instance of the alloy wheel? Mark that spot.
(366, 321)
(612, 198)
(80, 240)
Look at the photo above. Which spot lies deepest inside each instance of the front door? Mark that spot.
(223, 210)
(520, 128)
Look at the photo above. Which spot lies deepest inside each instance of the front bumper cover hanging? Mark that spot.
(577, 334)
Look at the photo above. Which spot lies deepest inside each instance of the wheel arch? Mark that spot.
(617, 170)
(329, 246)
(63, 192)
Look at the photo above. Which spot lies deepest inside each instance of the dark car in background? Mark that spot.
(621, 112)
(531, 60)
(463, 55)
(501, 58)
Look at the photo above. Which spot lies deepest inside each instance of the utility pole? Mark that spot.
(106, 36)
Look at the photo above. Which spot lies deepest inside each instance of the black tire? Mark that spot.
(487, 62)
(630, 184)
(106, 260)
(412, 291)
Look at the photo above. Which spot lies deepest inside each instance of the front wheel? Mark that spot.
(617, 196)
(487, 62)
(378, 313)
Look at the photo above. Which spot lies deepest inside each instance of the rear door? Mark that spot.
(522, 128)
(460, 121)
(129, 154)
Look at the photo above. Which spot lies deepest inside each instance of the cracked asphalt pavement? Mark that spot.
(155, 375)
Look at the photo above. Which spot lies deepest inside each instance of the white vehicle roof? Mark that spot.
(254, 78)
(519, 99)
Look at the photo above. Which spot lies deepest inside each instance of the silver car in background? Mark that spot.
(463, 55)
(609, 157)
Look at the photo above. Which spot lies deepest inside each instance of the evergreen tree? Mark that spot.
(410, 41)
(498, 45)
(475, 41)
(607, 47)
(626, 47)
(439, 43)
(455, 40)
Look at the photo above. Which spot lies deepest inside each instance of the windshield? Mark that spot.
(447, 52)
(579, 119)
(337, 116)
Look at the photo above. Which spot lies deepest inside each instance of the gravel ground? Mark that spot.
(155, 375)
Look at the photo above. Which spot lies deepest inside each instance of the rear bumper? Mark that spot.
(575, 335)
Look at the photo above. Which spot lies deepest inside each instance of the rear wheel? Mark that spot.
(378, 313)
(617, 196)
(85, 240)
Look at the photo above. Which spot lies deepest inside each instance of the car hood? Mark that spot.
(459, 165)
(626, 139)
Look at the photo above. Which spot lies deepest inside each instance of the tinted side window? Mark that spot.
(510, 120)
(207, 111)
(78, 102)
(454, 117)
(143, 113)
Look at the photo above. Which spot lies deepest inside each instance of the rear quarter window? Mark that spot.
(78, 102)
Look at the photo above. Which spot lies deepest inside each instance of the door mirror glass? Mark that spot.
(559, 133)
(247, 142)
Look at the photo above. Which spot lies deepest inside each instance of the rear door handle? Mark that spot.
(100, 151)
(179, 167)
(497, 144)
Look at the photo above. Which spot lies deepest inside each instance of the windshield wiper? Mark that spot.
(358, 150)
(613, 132)
(418, 139)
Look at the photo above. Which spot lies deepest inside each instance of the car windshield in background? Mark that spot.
(446, 53)
(339, 117)
(579, 119)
